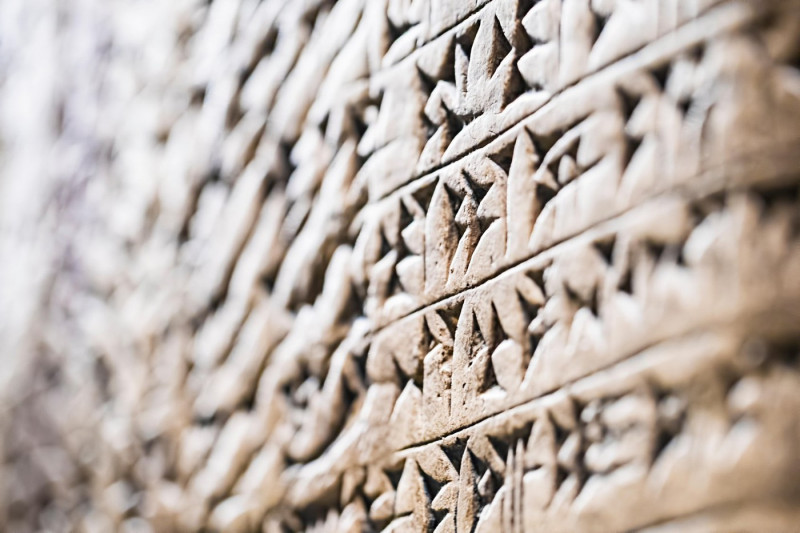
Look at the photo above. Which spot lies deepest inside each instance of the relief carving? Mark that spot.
(413, 265)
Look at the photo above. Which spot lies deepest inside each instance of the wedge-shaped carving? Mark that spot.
(558, 173)
(416, 265)
(626, 436)
(549, 321)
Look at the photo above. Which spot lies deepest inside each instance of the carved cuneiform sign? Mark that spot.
(437, 266)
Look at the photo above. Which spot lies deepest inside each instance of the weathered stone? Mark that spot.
(399, 265)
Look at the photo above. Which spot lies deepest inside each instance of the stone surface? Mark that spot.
(400, 265)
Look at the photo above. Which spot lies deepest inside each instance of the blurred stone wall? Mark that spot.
(399, 265)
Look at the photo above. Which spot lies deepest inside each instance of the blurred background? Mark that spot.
(87, 88)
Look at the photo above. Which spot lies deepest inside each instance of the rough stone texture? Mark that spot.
(400, 265)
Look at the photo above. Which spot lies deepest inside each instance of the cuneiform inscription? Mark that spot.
(424, 265)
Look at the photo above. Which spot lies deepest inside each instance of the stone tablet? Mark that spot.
(438, 266)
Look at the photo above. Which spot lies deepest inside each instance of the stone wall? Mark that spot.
(400, 265)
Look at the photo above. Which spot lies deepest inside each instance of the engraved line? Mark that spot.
(712, 180)
(652, 53)
(630, 359)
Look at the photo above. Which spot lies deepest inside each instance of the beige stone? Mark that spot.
(399, 265)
